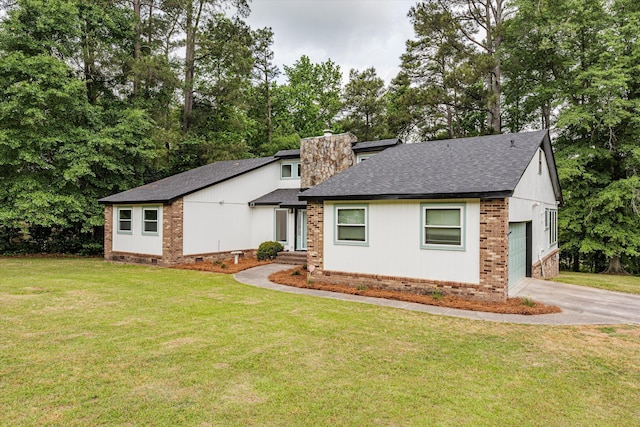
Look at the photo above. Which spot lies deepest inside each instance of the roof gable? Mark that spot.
(486, 166)
(171, 188)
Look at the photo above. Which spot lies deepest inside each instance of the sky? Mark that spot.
(352, 33)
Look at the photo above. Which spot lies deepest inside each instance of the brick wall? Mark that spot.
(551, 264)
(324, 156)
(494, 246)
(172, 232)
(315, 236)
(108, 231)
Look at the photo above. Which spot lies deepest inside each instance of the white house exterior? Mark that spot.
(470, 217)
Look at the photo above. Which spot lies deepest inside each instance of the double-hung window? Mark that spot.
(149, 220)
(125, 220)
(351, 224)
(442, 226)
(290, 170)
(551, 225)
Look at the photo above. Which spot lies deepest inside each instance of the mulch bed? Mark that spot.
(226, 266)
(511, 306)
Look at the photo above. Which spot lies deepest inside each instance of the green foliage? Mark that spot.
(269, 250)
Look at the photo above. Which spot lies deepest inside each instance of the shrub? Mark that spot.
(269, 250)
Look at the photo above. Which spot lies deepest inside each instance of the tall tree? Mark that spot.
(364, 105)
(313, 95)
(264, 74)
(455, 62)
(194, 14)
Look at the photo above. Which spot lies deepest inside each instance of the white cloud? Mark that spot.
(352, 33)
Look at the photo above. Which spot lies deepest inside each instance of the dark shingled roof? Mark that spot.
(288, 154)
(485, 166)
(169, 189)
(358, 147)
(283, 197)
(361, 147)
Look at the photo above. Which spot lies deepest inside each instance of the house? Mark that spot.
(468, 217)
(206, 213)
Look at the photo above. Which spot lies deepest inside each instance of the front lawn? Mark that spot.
(628, 284)
(85, 342)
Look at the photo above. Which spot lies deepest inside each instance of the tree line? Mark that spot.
(99, 96)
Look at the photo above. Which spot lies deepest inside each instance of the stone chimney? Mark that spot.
(321, 157)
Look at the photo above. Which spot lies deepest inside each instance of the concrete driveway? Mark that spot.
(585, 305)
(580, 305)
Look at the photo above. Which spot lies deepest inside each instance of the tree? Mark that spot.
(454, 64)
(264, 74)
(313, 95)
(194, 13)
(59, 152)
(364, 105)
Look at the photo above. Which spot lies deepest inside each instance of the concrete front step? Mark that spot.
(295, 258)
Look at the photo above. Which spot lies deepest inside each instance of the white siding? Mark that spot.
(136, 242)
(394, 235)
(533, 194)
(287, 183)
(218, 218)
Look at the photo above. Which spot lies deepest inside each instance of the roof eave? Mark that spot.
(468, 195)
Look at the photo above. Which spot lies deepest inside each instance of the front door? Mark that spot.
(301, 230)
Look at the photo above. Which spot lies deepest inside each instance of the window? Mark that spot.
(351, 224)
(442, 226)
(539, 162)
(125, 221)
(362, 157)
(281, 225)
(150, 221)
(290, 170)
(551, 225)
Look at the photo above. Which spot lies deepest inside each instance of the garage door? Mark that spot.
(517, 252)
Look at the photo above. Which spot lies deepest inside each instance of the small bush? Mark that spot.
(528, 302)
(296, 273)
(269, 250)
(362, 288)
(437, 295)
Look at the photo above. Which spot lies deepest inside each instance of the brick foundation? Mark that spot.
(186, 259)
(551, 264)
(410, 285)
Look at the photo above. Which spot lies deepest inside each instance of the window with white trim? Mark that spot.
(125, 220)
(442, 226)
(281, 225)
(290, 170)
(551, 225)
(150, 221)
(351, 224)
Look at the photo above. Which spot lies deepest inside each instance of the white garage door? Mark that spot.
(517, 252)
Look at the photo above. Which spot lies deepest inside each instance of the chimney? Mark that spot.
(322, 157)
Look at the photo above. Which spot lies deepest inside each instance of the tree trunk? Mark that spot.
(268, 96)
(576, 262)
(88, 57)
(191, 30)
(614, 266)
(136, 47)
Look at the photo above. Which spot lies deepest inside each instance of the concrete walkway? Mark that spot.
(580, 305)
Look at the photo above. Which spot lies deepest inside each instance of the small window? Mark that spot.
(443, 226)
(351, 224)
(362, 157)
(281, 225)
(539, 162)
(125, 221)
(150, 221)
(551, 225)
(290, 170)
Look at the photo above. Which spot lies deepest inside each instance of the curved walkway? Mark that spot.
(580, 305)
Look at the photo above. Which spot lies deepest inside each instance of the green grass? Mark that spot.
(628, 284)
(85, 342)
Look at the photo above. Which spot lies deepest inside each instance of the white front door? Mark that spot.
(301, 230)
